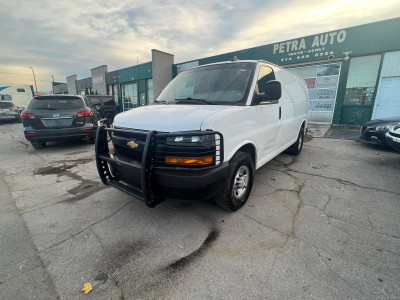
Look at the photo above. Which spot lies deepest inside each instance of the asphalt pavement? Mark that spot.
(322, 225)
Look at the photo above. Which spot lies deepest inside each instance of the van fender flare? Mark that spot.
(240, 145)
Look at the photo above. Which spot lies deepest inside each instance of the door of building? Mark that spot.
(322, 82)
(388, 99)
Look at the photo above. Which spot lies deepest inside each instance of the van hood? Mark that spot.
(167, 117)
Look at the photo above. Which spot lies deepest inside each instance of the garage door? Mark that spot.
(322, 81)
(388, 99)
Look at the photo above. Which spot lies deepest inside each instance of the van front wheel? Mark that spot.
(238, 184)
(295, 149)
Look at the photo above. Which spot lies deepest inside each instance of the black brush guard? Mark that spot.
(148, 193)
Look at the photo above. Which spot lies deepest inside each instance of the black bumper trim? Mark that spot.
(150, 181)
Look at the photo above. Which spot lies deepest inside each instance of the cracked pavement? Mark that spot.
(324, 224)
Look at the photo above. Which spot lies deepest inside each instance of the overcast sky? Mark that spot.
(63, 38)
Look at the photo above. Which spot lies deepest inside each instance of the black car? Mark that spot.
(58, 117)
(105, 106)
(374, 131)
(8, 111)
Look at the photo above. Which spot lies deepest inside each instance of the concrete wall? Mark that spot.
(83, 84)
(99, 80)
(71, 84)
(162, 70)
(59, 88)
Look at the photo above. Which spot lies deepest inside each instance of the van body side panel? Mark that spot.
(237, 125)
(294, 103)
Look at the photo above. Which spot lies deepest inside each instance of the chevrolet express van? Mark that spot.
(206, 134)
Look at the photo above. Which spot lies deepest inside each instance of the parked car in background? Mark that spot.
(58, 117)
(374, 131)
(207, 133)
(105, 106)
(393, 137)
(8, 111)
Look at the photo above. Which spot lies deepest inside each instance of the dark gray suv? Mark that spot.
(58, 117)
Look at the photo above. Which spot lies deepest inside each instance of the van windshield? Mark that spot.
(222, 84)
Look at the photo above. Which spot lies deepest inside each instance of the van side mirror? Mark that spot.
(273, 92)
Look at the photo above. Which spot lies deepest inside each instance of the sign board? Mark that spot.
(322, 81)
(97, 80)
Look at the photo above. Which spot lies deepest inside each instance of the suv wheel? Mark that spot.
(238, 183)
(38, 144)
(295, 149)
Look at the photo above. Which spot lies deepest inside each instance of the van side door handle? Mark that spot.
(280, 112)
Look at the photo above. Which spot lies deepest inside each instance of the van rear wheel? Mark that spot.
(238, 184)
(295, 149)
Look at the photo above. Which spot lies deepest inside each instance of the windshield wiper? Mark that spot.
(48, 108)
(194, 100)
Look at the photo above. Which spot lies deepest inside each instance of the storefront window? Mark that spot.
(150, 96)
(129, 95)
(361, 80)
(322, 82)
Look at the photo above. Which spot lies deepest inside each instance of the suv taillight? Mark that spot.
(25, 115)
(86, 113)
(14, 108)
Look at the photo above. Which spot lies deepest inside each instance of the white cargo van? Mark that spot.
(206, 134)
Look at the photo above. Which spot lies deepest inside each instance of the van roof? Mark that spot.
(238, 61)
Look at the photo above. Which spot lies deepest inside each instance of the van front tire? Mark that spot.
(238, 184)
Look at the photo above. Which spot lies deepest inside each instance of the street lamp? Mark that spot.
(34, 78)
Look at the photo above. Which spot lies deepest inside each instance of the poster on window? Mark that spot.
(328, 70)
(310, 83)
(327, 82)
(306, 72)
(322, 105)
(324, 94)
(322, 82)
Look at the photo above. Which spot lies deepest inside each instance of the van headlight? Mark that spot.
(191, 149)
(190, 140)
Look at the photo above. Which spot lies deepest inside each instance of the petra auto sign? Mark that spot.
(98, 79)
(316, 47)
(318, 41)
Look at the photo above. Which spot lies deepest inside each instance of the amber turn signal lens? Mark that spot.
(189, 161)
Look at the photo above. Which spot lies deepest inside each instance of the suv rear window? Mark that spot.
(56, 103)
(4, 104)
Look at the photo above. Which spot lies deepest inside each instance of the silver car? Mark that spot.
(8, 111)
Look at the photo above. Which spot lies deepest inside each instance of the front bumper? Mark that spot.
(60, 133)
(393, 141)
(151, 184)
(370, 136)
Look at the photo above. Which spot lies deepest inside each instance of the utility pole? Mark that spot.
(34, 78)
(52, 85)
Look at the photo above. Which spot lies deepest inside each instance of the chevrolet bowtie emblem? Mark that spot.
(132, 144)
